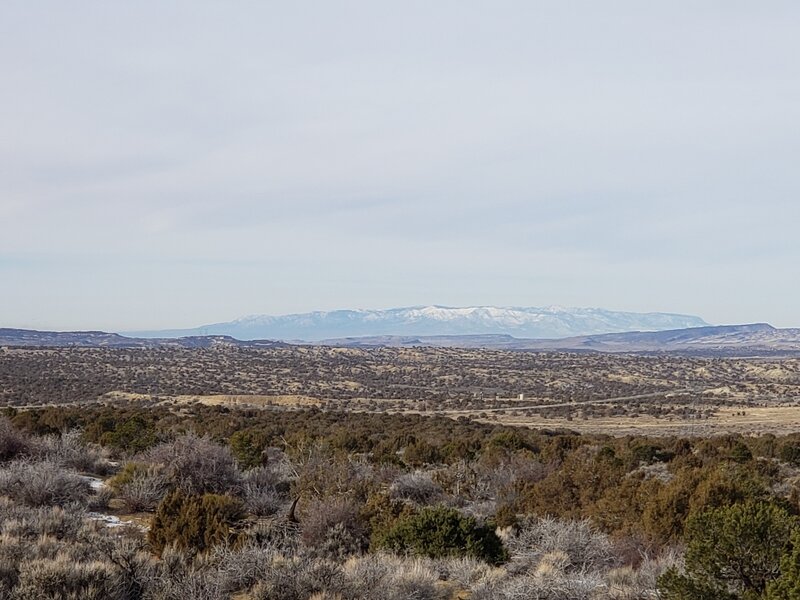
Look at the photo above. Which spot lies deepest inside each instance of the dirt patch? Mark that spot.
(248, 400)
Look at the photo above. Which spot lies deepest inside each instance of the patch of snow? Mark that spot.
(94, 482)
(111, 520)
(535, 322)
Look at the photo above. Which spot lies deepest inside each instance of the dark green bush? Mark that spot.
(421, 453)
(508, 440)
(440, 531)
(732, 552)
(648, 454)
(740, 453)
(133, 435)
(790, 452)
(787, 586)
(195, 523)
(248, 448)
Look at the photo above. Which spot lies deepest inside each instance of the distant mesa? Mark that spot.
(539, 323)
(29, 338)
(758, 339)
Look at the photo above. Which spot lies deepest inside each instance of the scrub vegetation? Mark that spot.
(662, 394)
(163, 502)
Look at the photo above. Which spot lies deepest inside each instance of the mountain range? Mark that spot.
(538, 323)
(759, 339)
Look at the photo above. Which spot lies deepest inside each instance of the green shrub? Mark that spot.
(787, 586)
(134, 435)
(508, 440)
(383, 513)
(421, 453)
(731, 552)
(195, 523)
(648, 454)
(729, 484)
(740, 453)
(438, 532)
(248, 448)
(789, 452)
(140, 486)
(128, 472)
(695, 490)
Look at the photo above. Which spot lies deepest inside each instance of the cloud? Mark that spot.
(511, 152)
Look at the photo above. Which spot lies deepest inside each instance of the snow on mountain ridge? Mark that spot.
(521, 322)
(511, 315)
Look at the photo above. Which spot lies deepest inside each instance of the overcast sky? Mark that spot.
(171, 164)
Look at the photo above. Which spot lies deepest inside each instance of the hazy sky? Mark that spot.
(170, 164)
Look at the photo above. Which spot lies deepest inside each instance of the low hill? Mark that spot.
(101, 339)
(726, 340)
(752, 339)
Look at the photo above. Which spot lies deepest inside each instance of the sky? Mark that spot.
(172, 164)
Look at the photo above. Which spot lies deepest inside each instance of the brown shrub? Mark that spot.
(13, 443)
(196, 465)
(332, 528)
(42, 484)
(63, 578)
(140, 486)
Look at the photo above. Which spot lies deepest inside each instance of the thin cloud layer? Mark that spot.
(167, 166)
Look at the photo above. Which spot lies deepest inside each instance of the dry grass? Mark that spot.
(249, 400)
(778, 420)
(592, 393)
(245, 400)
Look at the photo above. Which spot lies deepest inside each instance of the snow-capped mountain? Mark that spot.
(543, 323)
